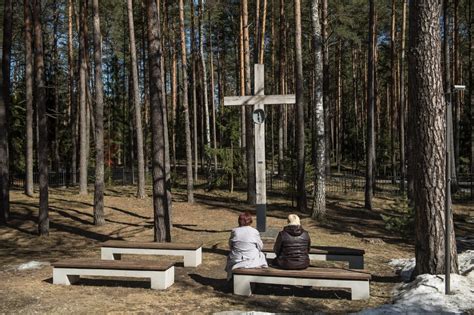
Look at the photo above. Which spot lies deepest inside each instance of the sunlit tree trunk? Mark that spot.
(425, 89)
(40, 100)
(402, 107)
(99, 120)
(83, 151)
(319, 201)
(29, 185)
(137, 105)
(187, 127)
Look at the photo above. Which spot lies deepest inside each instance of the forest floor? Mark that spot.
(202, 289)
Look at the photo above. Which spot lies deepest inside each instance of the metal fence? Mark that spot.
(277, 184)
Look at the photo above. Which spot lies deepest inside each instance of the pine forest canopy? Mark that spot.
(140, 85)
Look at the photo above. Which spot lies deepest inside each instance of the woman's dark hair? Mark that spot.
(245, 219)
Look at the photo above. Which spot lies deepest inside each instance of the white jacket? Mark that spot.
(245, 249)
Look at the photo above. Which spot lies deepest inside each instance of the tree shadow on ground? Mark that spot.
(187, 227)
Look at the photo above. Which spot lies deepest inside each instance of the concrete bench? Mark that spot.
(192, 253)
(355, 257)
(161, 275)
(357, 282)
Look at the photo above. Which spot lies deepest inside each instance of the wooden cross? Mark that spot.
(259, 100)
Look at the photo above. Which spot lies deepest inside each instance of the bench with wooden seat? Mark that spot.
(192, 252)
(355, 257)
(356, 281)
(161, 274)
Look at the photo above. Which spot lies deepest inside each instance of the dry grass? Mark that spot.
(202, 289)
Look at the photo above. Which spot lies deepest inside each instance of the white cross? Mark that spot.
(259, 100)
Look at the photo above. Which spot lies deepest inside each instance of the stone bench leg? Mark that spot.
(60, 276)
(162, 280)
(193, 258)
(360, 290)
(108, 254)
(242, 285)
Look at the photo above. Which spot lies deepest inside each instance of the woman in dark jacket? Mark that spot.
(292, 246)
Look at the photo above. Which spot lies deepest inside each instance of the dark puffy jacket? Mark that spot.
(292, 248)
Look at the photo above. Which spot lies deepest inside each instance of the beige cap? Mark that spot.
(293, 219)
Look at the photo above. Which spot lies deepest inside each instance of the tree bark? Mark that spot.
(282, 90)
(393, 91)
(249, 133)
(193, 78)
(319, 201)
(299, 121)
(83, 150)
(99, 120)
(325, 48)
(5, 103)
(425, 88)
(162, 229)
(40, 100)
(204, 80)
(187, 126)
(261, 52)
(72, 100)
(29, 185)
(136, 102)
(402, 100)
(370, 156)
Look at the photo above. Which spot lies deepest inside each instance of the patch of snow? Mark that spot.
(32, 265)
(426, 293)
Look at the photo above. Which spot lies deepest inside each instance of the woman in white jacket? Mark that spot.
(245, 247)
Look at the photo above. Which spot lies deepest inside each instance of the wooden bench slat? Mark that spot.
(113, 264)
(310, 273)
(327, 250)
(151, 245)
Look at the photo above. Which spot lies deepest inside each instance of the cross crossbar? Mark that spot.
(259, 99)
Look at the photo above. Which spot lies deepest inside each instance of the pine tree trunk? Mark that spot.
(5, 103)
(83, 150)
(299, 121)
(40, 100)
(370, 156)
(261, 52)
(471, 93)
(29, 185)
(425, 90)
(204, 80)
(402, 100)
(319, 201)
(136, 102)
(160, 204)
(213, 103)
(338, 118)
(249, 133)
(243, 137)
(325, 48)
(193, 78)
(457, 100)
(282, 67)
(72, 100)
(184, 63)
(99, 120)
(393, 92)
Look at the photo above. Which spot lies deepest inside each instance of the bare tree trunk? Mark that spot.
(338, 114)
(243, 137)
(261, 52)
(457, 99)
(299, 121)
(250, 152)
(213, 103)
(282, 67)
(29, 185)
(204, 78)
(184, 63)
(82, 99)
(136, 102)
(162, 229)
(40, 99)
(72, 100)
(319, 201)
(425, 90)
(325, 48)
(471, 92)
(5, 103)
(99, 120)
(193, 66)
(393, 92)
(402, 100)
(370, 156)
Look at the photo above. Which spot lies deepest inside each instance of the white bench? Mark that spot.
(192, 253)
(355, 257)
(357, 282)
(67, 272)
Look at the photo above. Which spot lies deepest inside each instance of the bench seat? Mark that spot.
(192, 252)
(356, 281)
(355, 257)
(161, 274)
